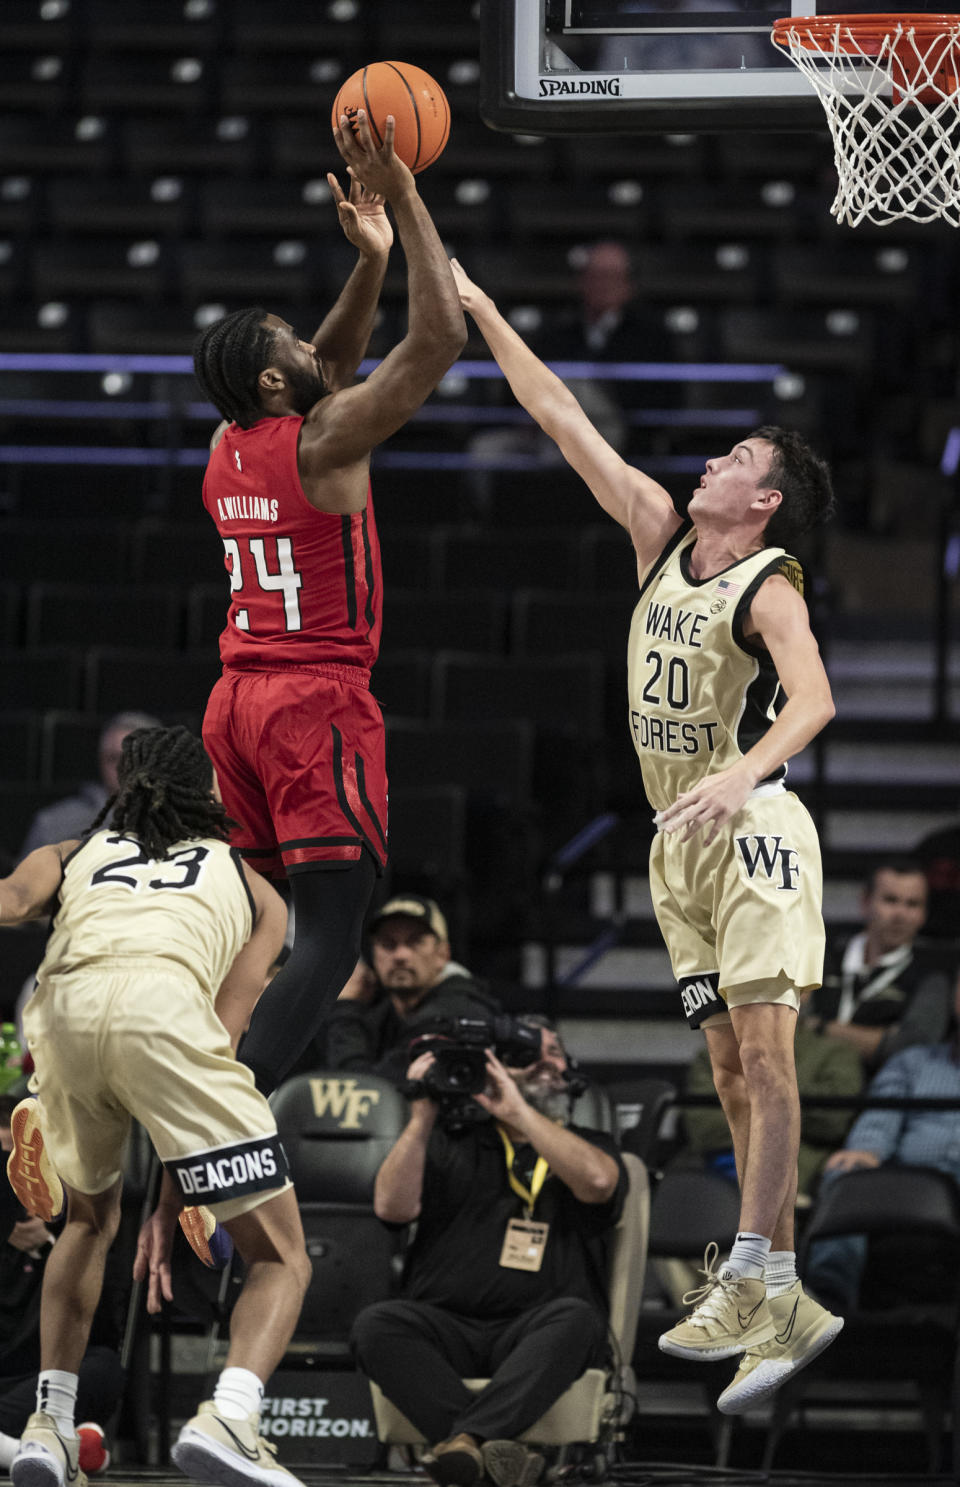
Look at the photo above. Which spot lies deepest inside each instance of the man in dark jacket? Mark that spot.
(414, 982)
(505, 1277)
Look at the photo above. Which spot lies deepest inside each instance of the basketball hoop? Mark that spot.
(889, 85)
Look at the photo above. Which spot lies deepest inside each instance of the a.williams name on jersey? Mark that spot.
(248, 508)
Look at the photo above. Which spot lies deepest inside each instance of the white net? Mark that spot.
(891, 101)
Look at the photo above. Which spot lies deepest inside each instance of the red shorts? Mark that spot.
(300, 758)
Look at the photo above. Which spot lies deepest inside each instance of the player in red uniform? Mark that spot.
(292, 728)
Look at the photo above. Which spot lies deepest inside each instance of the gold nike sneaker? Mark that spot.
(803, 1329)
(730, 1315)
(46, 1458)
(211, 1448)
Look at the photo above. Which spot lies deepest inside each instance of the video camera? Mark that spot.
(459, 1068)
(459, 1044)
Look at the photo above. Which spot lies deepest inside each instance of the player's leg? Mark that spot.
(222, 1443)
(72, 1282)
(269, 1239)
(765, 1033)
(329, 907)
(307, 748)
(730, 1085)
(802, 1328)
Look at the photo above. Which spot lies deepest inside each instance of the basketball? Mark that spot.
(418, 105)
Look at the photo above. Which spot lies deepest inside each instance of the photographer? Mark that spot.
(413, 981)
(505, 1278)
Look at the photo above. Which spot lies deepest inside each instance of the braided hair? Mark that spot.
(228, 357)
(164, 793)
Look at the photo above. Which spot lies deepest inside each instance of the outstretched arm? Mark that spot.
(30, 892)
(341, 430)
(345, 332)
(630, 497)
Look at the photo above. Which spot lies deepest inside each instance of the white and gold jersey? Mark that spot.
(700, 695)
(194, 908)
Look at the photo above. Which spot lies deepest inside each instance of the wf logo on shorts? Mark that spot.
(781, 865)
(340, 1099)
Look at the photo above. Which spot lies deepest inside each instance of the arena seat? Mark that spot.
(503, 560)
(116, 81)
(910, 1207)
(31, 677)
(161, 145)
(545, 623)
(58, 142)
(688, 1211)
(155, 26)
(336, 1129)
(401, 682)
(489, 758)
(255, 207)
(471, 620)
(88, 614)
(608, 562)
(177, 552)
(118, 678)
(62, 267)
(19, 744)
(297, 25)
(254, 270)
(142, 207)
(557, 693)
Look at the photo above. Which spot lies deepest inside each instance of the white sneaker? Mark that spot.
(46, 1458)
(211, 1448)
(804, 1329)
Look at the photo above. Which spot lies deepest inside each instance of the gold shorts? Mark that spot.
(742, 917)
(113, 1041)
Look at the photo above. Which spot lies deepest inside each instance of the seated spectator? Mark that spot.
(69, 818)
(882, 991)
(413, 982)
(939, 856)
(25, 1243)
(825, 1066)
(927, 1138)
(504, 1277)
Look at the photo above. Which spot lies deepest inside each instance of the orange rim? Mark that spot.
(868, 31)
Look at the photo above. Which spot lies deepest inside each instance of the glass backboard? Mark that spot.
(627, 66)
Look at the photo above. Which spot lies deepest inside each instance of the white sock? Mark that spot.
(9, 1447)
(781, 1271)
(57, 1397)
(748, 1256)
(239, 1394)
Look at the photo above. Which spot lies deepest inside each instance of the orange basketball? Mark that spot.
(417, 103)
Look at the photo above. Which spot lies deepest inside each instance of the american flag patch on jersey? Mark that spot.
(723, 587)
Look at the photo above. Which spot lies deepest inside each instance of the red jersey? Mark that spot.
(305, 585)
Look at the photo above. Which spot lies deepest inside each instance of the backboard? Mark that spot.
(630, 66)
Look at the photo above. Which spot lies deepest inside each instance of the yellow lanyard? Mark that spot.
(528, 1194)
